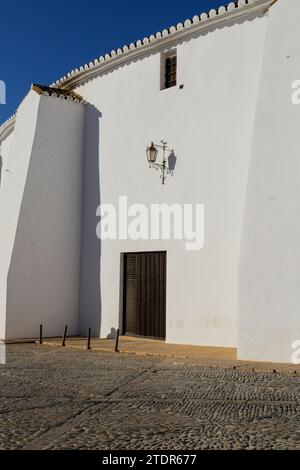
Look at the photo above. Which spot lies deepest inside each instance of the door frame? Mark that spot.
(122, 313)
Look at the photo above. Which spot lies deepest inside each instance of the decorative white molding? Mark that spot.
(7, 127)
(212, 13)
(221, 10)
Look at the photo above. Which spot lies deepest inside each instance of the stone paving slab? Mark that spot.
(61, 398)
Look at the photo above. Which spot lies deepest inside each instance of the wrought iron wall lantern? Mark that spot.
(152, 153)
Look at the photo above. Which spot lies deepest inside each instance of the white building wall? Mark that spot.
(209, 125)
(270, 255)
(4, 153)
(12, 189)
(40, 213)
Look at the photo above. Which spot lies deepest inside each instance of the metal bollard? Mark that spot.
(41, 334)
(89, 339)
(117, 341)
(64, 336)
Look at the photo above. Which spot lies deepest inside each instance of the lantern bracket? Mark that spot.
(163, 167)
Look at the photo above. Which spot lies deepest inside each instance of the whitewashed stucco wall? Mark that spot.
(40, 213)
(209, 125)
(270, 255)
(12, 188)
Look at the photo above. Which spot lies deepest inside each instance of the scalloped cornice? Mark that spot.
(7, 127)
(215, 17)
(219, 16)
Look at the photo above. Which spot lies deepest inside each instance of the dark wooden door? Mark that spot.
(145, 294)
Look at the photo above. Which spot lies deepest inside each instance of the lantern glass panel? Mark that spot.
(152, 153)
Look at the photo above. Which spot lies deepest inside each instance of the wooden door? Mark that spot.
(145, 294)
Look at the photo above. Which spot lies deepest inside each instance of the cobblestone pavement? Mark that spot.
(64, 399)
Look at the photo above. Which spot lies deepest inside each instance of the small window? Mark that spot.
(170, 71)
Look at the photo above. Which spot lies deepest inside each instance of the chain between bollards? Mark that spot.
(64, 336)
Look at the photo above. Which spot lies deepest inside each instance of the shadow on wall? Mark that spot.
(172, 159)
(90, 289)
(112, 334)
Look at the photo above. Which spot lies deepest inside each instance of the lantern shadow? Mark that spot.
(172, 160)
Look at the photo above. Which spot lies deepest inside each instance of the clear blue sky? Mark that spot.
(41, 41)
